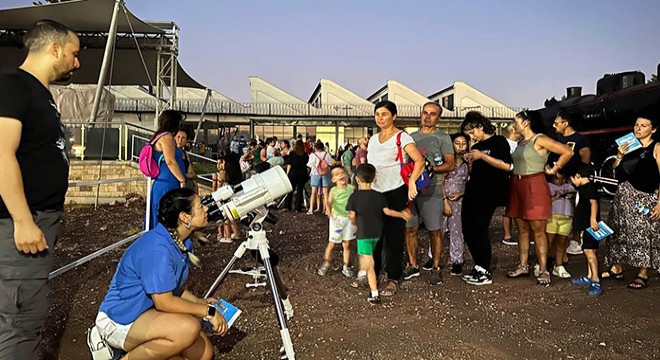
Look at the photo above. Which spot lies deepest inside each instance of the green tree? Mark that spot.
(654, 78)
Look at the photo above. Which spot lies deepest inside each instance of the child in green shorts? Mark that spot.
(367, 209)
(341, 229)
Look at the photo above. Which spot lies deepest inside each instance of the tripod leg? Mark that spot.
(284, 331)
(237, 255)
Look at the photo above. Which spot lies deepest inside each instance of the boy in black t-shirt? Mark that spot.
(587, 215)
(366, 210)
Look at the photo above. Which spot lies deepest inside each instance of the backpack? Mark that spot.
(322, 167)
(148, 165)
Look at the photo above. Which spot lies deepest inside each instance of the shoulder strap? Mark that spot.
(155, 140)
(399, 156)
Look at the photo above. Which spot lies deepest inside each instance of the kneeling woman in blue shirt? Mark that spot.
(147, 312)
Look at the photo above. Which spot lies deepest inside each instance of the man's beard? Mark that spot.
(65, 77)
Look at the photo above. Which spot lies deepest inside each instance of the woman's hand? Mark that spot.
(655, 212)
(594, 225)
(455, 197)
(218, 324)
(412, 190)
(209, 300)
(622, 150)
(476, 155)
(446, 210)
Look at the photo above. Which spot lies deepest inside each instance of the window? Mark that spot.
(448, 102)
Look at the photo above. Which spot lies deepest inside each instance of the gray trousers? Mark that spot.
(24, 289)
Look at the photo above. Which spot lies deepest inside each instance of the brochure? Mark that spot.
(603, 231)
(228, 311)
(633, 142)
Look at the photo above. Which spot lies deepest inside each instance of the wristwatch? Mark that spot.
(210, 312)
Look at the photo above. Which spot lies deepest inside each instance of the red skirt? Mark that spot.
(529, 197)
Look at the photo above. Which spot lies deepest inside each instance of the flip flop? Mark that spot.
(639, 283)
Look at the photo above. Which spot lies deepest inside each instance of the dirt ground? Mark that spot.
(511, 319)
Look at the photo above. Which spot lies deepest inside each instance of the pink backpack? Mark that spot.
(148, 165)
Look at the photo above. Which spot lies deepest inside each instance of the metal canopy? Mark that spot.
(91, 20)
(81, 15)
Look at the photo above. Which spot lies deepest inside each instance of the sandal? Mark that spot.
(359, 282)
(639, 283)
(611, 274)
(520, 271)
(544, 278)
(389, 290)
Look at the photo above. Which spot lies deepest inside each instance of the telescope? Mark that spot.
(236, 202)
(247, 201)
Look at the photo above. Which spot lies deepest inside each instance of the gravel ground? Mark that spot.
(509, 319)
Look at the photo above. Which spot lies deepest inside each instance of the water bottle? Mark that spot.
(642, 210)
(438, 159)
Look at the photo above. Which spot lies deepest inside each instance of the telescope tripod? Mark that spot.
(257, 241)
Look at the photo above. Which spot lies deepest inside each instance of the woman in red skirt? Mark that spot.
(529, 195)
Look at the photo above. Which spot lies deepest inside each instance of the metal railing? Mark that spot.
(299, 110)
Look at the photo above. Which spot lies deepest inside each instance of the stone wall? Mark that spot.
(88, 170)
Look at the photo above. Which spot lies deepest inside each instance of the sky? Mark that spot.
(519, 52)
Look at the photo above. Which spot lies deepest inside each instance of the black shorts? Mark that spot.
(588, 241)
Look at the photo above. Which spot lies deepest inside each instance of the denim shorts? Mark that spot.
(321, 180)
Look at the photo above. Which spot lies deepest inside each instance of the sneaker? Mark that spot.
(347, 272)
(574, 248)
(582, 281)
(323, 269)
(97, 345)
(456, 269)
(374, 300)
(509, 242)
(484, 277)
(472, 274)
(410, 272)
(595, 288)
(561, 272)
(428, 266)
(436, 277)
(309, 212)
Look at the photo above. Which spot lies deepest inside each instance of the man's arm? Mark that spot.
(27, 236)
(585, 155)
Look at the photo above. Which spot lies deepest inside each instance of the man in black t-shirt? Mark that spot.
(581, 148)
(35, 171)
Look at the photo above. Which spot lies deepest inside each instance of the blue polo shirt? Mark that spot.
(151, 265)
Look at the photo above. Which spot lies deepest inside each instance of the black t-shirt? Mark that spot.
(643, 169)
(298, 165)
(368, 205)
(486, 182)
(575, 142)
(41, 153)
(586, 193)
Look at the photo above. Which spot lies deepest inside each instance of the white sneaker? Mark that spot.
(225, 240)
(574, 248)
(561, 272)
(98, 346)
(510, 242)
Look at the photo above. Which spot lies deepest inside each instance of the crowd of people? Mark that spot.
(545, 182)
